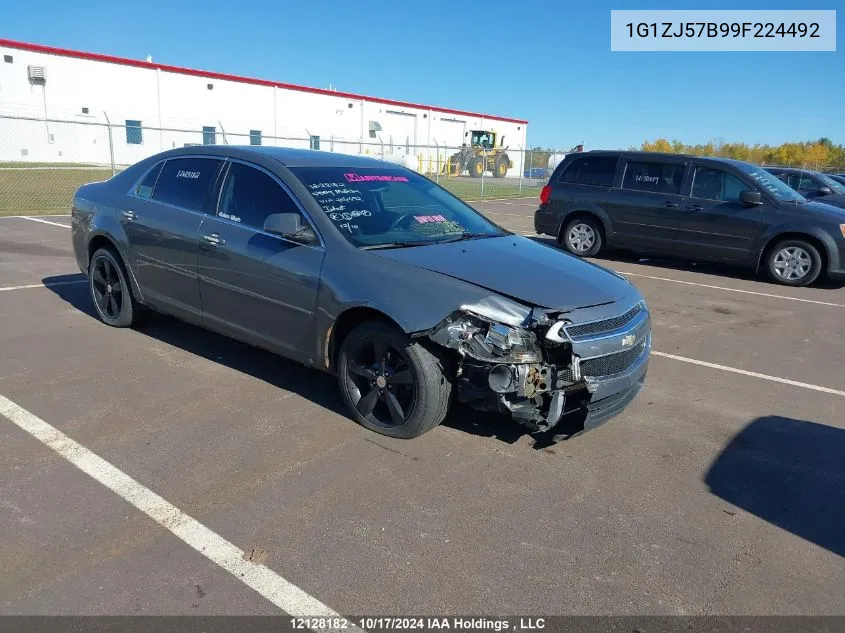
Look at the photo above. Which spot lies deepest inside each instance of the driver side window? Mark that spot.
(716, 184)
(249, 195)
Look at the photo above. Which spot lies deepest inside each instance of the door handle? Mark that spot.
(129, 215)
(695, 207)
(214, 239)
(671, 205)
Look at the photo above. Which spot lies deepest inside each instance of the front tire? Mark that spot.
(108, 284)
(794, 263)
(476, 167)
(582, 237)
(391, 384)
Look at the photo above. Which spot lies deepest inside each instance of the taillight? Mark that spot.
(545, 194)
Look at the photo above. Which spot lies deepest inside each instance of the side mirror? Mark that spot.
(751, 198)
(824, 190)
(289, 225)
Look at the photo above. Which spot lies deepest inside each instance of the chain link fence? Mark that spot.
(44, 161)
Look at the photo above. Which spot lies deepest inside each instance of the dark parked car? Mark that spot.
(697, 208)
(812, 185)
(840, 178)
(369, 271)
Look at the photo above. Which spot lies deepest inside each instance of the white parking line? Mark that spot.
(747, 292)
(503, 199)
(47, 285)
(753, 374)
(43, 221)
(515, 215)
(512, 204)
(270, 585)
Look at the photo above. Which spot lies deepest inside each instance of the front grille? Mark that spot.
(607, 325)
(612, 363)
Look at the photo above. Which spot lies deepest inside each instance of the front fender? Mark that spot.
(775, 232)
(416, 299)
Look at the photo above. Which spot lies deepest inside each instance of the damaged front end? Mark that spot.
(515, 361)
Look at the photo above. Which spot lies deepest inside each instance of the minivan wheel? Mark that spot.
(582, 237)
(110, 291)
(794, 263)
(391, 384)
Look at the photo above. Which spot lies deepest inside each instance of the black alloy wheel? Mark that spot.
(380, 383)
(110, 289)
(392, 384)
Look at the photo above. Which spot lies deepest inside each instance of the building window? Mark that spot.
(209, 86)
(84, 110)
(209, 135)
(255, 137)
(8, 59)
(134, 133)
(315, 142)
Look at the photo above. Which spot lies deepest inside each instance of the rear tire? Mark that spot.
(391, 384)
(793, 263)
(582, 237)
(108, 284)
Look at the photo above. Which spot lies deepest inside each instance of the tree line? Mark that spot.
(820, 155)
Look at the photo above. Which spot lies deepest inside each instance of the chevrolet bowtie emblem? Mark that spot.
(629, 340)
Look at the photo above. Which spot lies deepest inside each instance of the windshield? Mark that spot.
(482, 139)
(386, 205)
(771, 183)
(835, 187)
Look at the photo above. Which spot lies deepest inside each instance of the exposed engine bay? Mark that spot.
(515, 361)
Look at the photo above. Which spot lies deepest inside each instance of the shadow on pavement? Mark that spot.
(790, 473)
(316, 386)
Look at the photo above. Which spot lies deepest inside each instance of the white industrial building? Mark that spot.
(153, 106)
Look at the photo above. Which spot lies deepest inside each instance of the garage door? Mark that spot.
(400, 132)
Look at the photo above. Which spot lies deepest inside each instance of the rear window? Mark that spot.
(590, 170)
(186, 182)
(375, 206)
(145, 187)
(658, 177)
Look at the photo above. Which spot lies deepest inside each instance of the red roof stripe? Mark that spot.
(109, 59)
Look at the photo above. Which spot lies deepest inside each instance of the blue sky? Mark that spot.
(548, 62)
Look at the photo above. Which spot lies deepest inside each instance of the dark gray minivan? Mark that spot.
(694, 207)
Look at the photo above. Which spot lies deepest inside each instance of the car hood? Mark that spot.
(834, 199)
(521, 269)
(827, 207)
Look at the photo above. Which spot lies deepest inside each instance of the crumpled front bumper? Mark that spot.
(605, 372)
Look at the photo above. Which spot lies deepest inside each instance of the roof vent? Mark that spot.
(37, 74)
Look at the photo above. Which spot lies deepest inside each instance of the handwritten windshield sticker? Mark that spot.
(193, 175)
(423, 219)
(379, 178)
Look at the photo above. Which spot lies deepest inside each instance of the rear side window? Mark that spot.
(145, 187)
(187, 182)
(716, 184)
(590, 170)
(249, 196)
(658, 177)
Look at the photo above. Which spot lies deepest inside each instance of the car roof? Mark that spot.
(789, 170)
(658, 155)
(289, 157)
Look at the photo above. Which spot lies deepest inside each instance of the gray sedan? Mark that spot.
(369, 271)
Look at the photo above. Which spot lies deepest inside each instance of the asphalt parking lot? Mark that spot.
(721, 490)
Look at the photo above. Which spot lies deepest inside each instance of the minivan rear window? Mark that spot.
(186, 182)
(590, 170)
